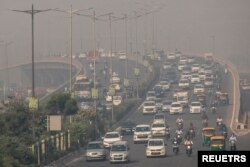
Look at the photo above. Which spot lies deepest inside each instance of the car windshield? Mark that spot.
(158, 100)
(128, 124)
(111, 135)
(196, 104)
(183, 81)
(195, 76)
(198, 86)
(118, 147)
(167, 103)
(155, 143)
(176, 105)
(142, 129)
(151, 94)
(158, 125)
(94, 146)
(149, 104)
(159, 116)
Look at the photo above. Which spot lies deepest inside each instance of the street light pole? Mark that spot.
(32, 12)
(7, 67)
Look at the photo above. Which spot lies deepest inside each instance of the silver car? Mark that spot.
(95, 151)
(119, 152)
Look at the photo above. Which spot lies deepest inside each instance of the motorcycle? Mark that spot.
(179, 138)
(191, 133)
(175, 147)
(179, 125)
(205, 123)
(168, 134)
(224, 133)
(233, 145)
(189, 150)
(213, 109)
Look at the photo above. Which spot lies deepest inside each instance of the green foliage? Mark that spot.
(14, 152)
(61, 104)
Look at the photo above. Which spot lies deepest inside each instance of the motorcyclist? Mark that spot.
(219, 120)
(188, 142)
(179, 120)
(179, 132)
(232, 138)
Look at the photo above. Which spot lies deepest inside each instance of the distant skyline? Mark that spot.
(192, 26)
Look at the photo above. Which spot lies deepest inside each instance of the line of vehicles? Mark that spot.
(161, 100)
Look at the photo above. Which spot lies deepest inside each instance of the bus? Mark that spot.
(82, 88)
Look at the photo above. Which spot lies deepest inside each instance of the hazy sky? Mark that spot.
(188, 25)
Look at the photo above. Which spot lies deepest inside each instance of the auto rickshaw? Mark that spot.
(224, 98)
(217, 143)
(207, 133)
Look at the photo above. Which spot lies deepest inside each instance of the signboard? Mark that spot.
(33, 104)
(94, 93)
(126, 82)
(136, 71)
(54, 122)
(111, 91)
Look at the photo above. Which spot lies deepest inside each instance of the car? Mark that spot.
(117, 100)
(195, 68)
(167, 65)
(181, 65)
(95, 151)
(158, 91)
(85, 106)
(184, 83)
(191, 59)
(165, 85)
(127, 127)
(171, 56)
(186, 75)
(158, 129)
(209, 82)
(195, 78)
(158, 104)
(159, 118)
(142, 133)
(199, 88)
(195, 107)
(202, 75)
(150, 95)
(110, 138)
(119, 152)
(183, 59)
(166, 106)
(176, 108)
(149, 107)
(108, 106)
(155, 148)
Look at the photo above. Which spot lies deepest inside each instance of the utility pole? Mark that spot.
(32, 12)
(71, 12)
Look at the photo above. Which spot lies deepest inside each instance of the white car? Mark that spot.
(191, 59)
(166, 106)
(142, 133)
(171, 56)
(199, 88)
(159, 118)
(155, 148)
(209, 82)
(167, 65)
(116, 86)
(176, 108)
(183, 59)
(117, 100)
(195, 68)
(185, 75)
(119, 152)
(158, 104)
(158, 129)
(150, 95)
(202, 76)
(149, 107)
(165, 85)
(181, 66)
(110, 138)
(184, 83)
(195, 107)
(195, 78)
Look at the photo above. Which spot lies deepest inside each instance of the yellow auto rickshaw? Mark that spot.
(207, 133)
(217, 143)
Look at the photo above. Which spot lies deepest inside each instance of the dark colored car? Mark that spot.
(127, 128)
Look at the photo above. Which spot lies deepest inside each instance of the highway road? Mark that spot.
(138, 157)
